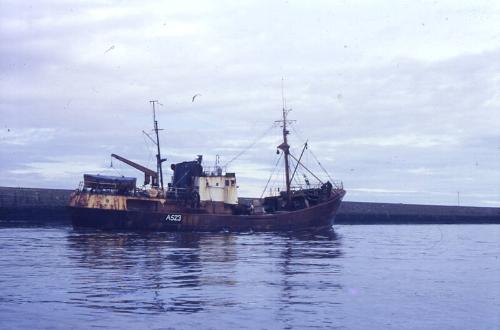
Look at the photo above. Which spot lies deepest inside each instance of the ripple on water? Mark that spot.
(356, 277)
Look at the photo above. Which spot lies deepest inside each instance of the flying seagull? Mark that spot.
(110, 48)
(194, 96)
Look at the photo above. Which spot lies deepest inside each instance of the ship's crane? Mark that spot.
(150, 176)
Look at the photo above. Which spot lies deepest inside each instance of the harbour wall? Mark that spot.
(33, 206)
(36, 206)
(390, 213)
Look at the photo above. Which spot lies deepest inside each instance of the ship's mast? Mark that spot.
(284, 146)
(286, 150)
(159, 161)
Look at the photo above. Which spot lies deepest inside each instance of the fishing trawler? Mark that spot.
(199, 199)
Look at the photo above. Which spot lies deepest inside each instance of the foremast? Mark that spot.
(159, 160)
(285, 147)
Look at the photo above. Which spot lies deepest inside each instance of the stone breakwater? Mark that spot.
(33, 206)
(390, 213)
(41, 206)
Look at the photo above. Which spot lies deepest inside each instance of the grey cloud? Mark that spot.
(398, 114)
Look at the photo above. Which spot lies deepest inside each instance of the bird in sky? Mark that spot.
(109, 49)
(195, 96)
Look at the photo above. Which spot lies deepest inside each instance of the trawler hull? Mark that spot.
(320, 216)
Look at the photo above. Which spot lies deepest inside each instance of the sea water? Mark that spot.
(355, 277)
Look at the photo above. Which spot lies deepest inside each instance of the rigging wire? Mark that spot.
(315, 158)
(297, 182)
(149, 149)
(320, 165)
(271, 176)
(279, 177)
(250, 146)
(112, 166)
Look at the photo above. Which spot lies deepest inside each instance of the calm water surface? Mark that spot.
(358, 277)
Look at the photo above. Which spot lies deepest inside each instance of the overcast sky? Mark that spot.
(400, 100)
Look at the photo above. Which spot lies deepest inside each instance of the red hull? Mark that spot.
(317, 217)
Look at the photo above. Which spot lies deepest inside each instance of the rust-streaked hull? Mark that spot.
(318, 217)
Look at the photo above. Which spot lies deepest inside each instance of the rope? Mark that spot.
(148, 148)
(114, 168)
(272, 173)
(315, 158)
(324, 170)
(294, 178)
(249, 146)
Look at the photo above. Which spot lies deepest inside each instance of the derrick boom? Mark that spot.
(149, 175)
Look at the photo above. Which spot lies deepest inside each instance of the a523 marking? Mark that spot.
(174, 217)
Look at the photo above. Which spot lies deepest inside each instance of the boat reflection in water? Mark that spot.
(159, 272)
